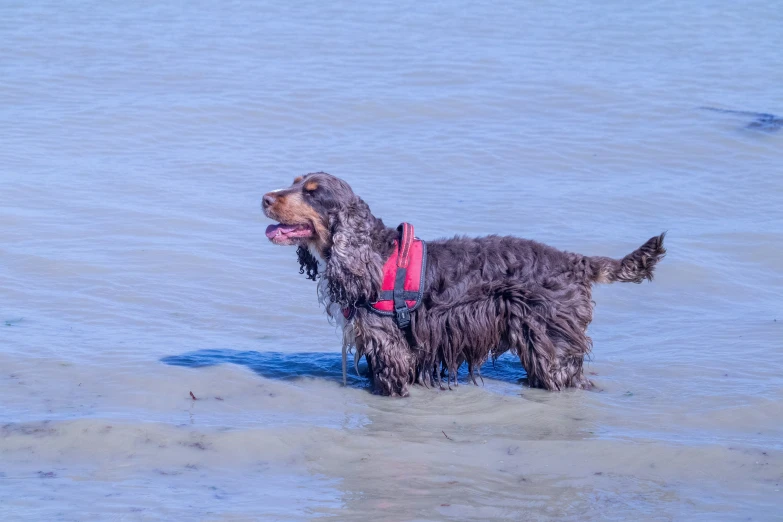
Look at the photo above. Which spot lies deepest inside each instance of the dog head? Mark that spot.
(320, 214)
(307, 211)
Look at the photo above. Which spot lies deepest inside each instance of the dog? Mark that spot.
(455, 301)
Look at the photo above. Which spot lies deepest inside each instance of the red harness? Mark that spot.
(402, 288)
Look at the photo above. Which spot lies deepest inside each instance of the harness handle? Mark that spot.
(404, 245)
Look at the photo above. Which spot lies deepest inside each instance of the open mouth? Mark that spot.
(281, 234)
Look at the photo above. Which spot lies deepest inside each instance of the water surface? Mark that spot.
(137, 140)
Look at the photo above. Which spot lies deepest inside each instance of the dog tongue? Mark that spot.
(275, 230)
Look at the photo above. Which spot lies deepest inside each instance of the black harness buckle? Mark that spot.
(403, 317)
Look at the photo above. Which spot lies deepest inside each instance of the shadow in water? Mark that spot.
(276, 365)
(326, 365)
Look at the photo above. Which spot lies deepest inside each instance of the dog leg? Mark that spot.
(478, 371)
(552, 363)
(391, 362)
(439, 374)
(470, 373)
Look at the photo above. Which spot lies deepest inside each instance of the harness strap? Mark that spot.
(401, 313)
(388, 295)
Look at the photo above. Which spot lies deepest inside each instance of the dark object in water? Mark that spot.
(762, 121)
(193, 396)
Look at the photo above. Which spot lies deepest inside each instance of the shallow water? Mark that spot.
(137, 140)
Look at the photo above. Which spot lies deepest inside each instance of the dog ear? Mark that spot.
(354, 269)
(307, 263)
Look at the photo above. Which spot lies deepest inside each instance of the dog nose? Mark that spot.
(268, 200)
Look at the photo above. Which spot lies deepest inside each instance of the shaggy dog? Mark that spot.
(481, 296)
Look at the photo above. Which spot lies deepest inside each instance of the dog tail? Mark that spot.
(633, 268)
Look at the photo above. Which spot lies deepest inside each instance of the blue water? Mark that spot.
(137, 140)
